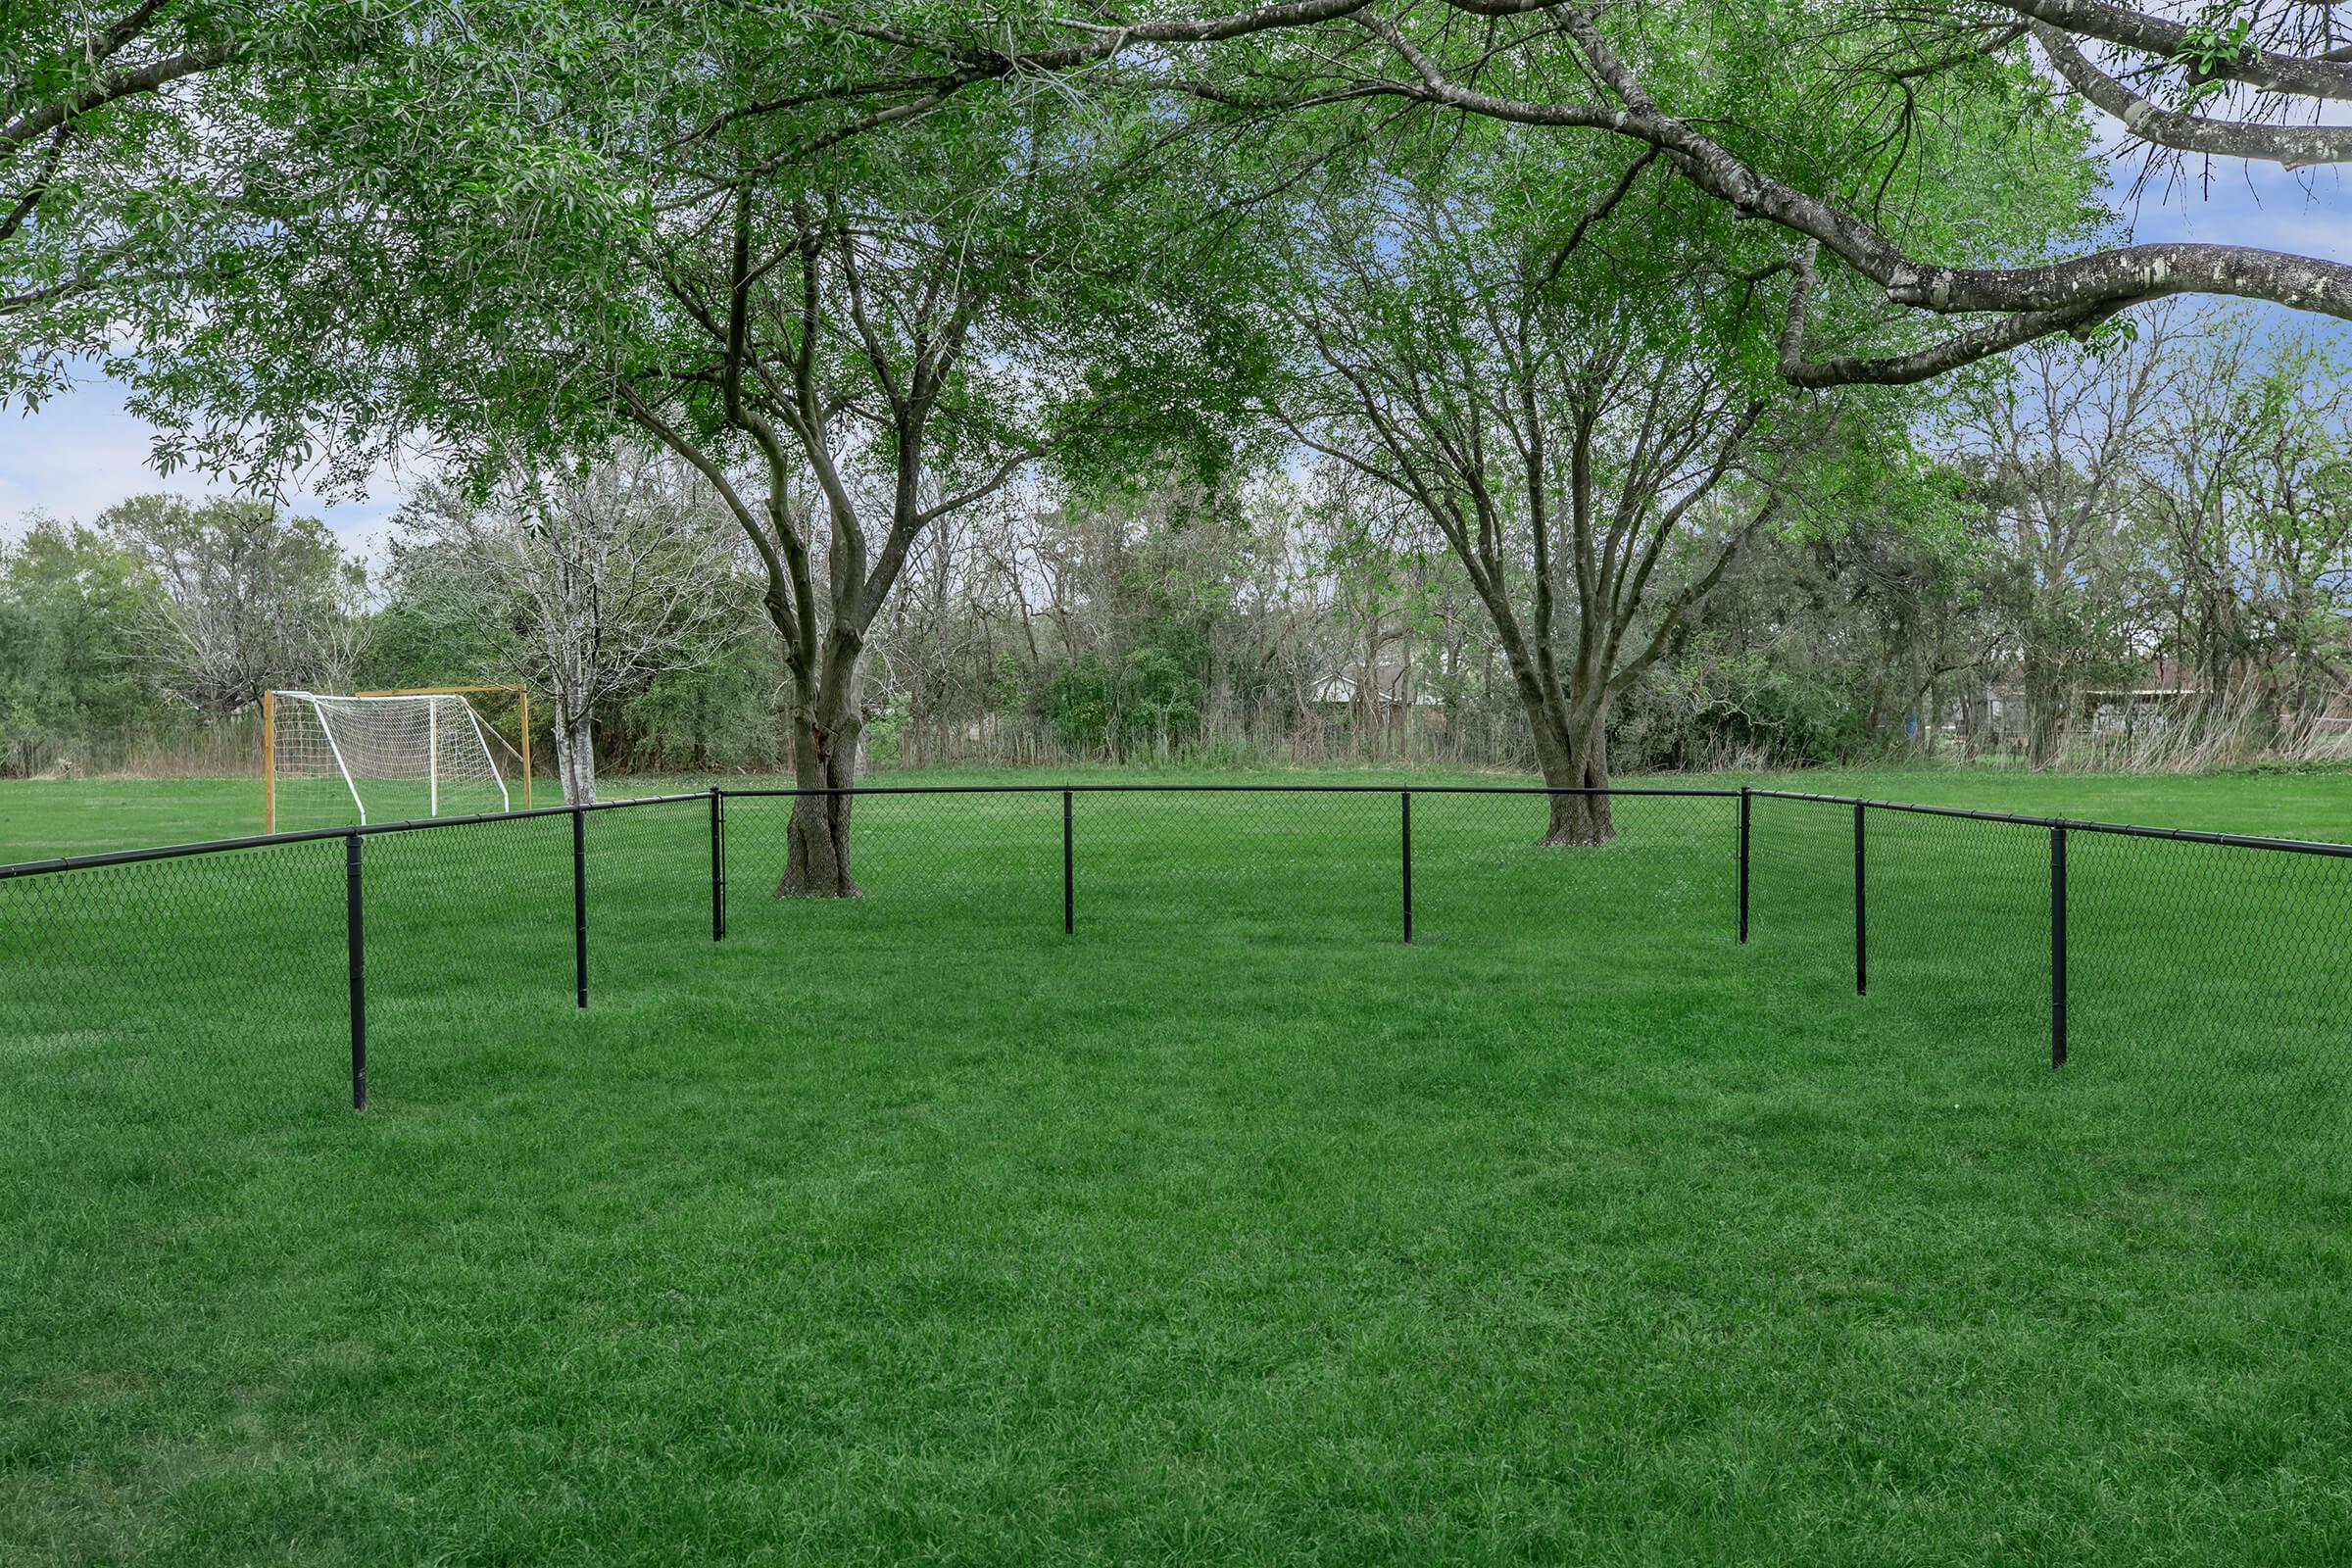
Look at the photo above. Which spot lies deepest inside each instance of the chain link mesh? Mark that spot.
(1308, 868)
(469, 936)
(2205, 981)
(1958, 914)
(649, 890)
(169, 1000)
(2210, 981)
(989, 862)
(1481, 863)
(1800, 888)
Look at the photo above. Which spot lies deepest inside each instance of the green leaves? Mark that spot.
(2217, 38)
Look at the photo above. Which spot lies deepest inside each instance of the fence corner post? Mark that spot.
(719, 865)
(1744, 801)
(1404, 800)
(1861, 916)
(354, 942)
(579, 901)
(1069, 872)
(2058, 946)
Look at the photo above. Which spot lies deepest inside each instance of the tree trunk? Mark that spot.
(576, 760)
(1572, 754)
(2046, 709)
(1576, 756)
(817, 859)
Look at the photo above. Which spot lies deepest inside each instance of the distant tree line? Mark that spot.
(2136, 551)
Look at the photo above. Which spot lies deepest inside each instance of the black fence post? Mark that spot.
(1861, 916)
(579, 901)
(719, 866)
(1069, 872)
(1404, 800)
(354, 942)
(1744, 801)
(2058, 947)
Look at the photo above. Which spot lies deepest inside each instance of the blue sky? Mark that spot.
(82, 453)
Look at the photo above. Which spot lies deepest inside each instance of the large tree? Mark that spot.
(74, 606)
(2064, 443)
(249, 599)
(849, 341)
(140, 145)
(2244, 511)
(1564, 367)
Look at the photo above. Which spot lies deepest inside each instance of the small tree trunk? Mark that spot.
(576, 761)
(2045, 716)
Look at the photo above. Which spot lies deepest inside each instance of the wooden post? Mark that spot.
(523, 699)
(268, 761)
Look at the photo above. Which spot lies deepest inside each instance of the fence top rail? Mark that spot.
(1226, 789)
(172, 852)
(262, 841)
(2133, 830)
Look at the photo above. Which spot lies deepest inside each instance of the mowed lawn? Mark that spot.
(1229, 1229)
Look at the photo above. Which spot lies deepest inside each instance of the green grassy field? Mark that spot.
(1229, 1229)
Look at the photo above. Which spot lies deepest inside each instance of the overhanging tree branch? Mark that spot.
(2294, 146)
(2058, 296)
(2149, 33)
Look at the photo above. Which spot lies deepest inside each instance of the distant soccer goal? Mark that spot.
(386, 756)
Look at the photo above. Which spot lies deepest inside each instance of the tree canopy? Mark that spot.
(1596, 296)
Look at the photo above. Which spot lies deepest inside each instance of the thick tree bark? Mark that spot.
(1574, 756)
(826, 735)
(1572, 752)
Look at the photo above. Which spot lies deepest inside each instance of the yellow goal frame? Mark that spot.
(522, 721)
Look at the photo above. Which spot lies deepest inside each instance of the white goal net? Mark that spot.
(338, 760)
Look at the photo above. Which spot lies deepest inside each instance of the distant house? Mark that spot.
(1994, 715)
(1382, 685)
(2164, 691)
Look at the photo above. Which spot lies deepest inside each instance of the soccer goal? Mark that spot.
(384, 757)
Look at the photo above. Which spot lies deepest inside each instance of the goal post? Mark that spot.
(335, 758)
(522, 717)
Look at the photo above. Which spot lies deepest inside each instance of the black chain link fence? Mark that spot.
(986, 861)
(2199, 978)
(204, 988)
(2194, 983)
